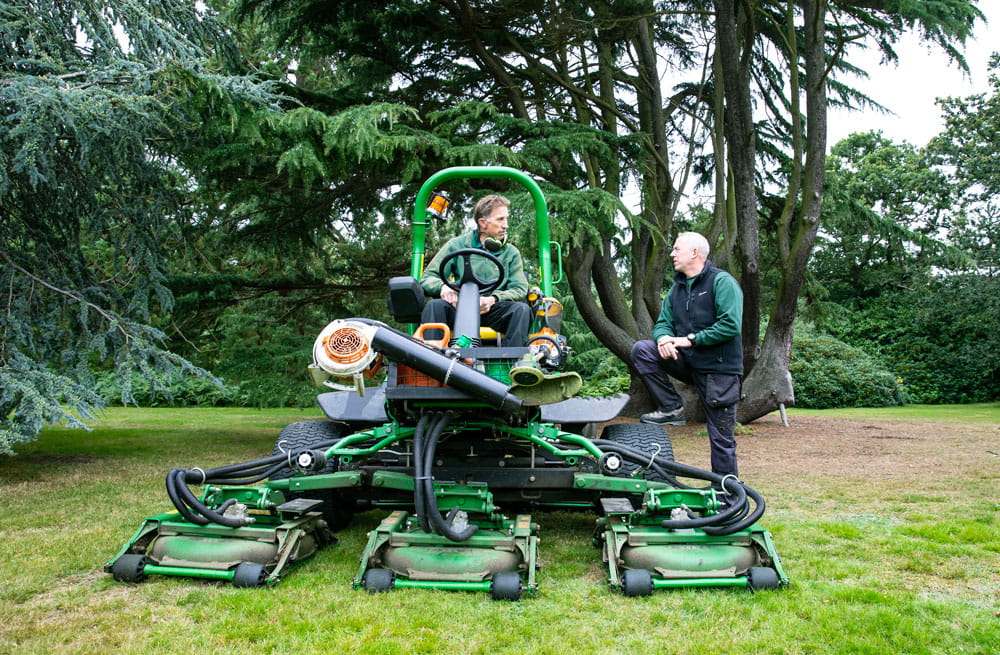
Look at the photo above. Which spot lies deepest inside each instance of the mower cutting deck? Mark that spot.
(459, 445)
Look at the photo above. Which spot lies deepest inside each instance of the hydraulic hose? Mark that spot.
(737, 516)
(419, 496)
(175, 498)
(215, 516)
(427, 505)
(195, 511)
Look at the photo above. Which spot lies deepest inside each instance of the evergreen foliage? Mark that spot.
(904, 270)
(182, 194)
(941, 339)
(96, 104)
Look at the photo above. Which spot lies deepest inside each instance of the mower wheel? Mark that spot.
(304, 435)
(762, 577)
(505, 585)
(129, 568)
(646, 438)
(249, 574)
(378, 580)
(637, 582)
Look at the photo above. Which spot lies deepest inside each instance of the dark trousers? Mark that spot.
(512, 319)
(719, 394)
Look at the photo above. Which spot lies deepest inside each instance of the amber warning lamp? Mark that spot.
(439, 205)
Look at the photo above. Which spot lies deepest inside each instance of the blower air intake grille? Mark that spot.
(347, 345)
(344, 348)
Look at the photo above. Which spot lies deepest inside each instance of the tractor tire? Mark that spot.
(762, 577)
(637, 582)
(129, 568)
(505, 585)
(378, 580)
(642, 437)
(302, 435)
(249, 574)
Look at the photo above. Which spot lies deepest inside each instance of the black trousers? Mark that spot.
(719, 394)
(512, 319)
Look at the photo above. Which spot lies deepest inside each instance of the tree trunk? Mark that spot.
(735, 36)
(771, 385)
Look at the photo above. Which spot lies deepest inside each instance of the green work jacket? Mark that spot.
(514, 286)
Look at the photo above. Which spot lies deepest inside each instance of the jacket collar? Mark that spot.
(680, 277)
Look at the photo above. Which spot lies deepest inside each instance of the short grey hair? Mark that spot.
(487, 204)
(697, 241)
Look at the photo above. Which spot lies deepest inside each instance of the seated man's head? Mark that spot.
(490, 214)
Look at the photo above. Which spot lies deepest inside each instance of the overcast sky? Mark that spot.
(910, 88)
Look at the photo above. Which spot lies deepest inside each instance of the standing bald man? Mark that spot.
(696, 339)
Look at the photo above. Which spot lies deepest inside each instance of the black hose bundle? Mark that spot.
(735, 517)
(425, 437)
(197, 512)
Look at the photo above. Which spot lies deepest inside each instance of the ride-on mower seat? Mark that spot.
(406, 301)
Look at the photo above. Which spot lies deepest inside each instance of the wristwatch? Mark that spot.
(691, 337)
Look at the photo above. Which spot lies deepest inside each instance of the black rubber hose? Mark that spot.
(258, 475)
(215, 516)
(735, 511)
(665, 467)
(224, 474)
(745, 523)
(175, 498)
(185, 502)
(729, 521)
(441, 526)
(194, 511)
(419, 496)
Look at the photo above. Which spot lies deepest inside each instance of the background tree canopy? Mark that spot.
(199, 189)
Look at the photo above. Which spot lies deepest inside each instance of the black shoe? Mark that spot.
(659, 417)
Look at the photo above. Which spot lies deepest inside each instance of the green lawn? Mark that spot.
(880, 561)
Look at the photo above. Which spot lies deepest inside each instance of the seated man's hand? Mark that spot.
(486, 303)
(667, 347)
(449, 295)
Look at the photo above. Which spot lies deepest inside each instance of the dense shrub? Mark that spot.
(943, 338)
(828, 373)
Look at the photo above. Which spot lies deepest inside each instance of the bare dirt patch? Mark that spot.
(845, 448)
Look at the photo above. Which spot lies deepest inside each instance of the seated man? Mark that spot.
(504, 309)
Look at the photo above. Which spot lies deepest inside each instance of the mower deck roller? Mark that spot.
(458, 446)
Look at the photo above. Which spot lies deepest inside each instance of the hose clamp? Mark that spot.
(448, 372)
(722, 482)
(203, 476)
(653, 456)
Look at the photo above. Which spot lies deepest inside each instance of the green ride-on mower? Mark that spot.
(461, 442)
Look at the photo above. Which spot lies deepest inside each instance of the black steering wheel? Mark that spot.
(469, 275)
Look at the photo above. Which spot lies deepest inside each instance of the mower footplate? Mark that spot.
(500, 559)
